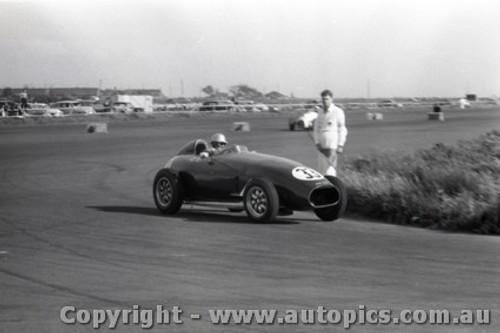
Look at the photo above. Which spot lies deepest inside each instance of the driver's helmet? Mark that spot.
(218, 141)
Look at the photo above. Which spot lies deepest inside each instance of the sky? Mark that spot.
(357, 48)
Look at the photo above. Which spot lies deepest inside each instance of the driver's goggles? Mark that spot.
(218, 144)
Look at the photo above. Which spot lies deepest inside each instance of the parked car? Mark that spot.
(73, 107)
(102, 107)
(8, 108)
(251, 106)
(89, 102)
(489, 101)
(236, 179)
(42, 110)
(443, 102)
(219, 106)
(389, 103)
(122, 107)
(257, 107)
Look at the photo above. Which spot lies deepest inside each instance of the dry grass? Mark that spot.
(447, 187)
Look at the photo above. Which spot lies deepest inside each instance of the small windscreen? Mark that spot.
(187, 149)
(194, 147)
(234, 149)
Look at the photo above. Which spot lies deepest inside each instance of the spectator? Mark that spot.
(24, 99)
(5, 110)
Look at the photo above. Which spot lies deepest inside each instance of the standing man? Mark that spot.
(24, 99)
(330, 134)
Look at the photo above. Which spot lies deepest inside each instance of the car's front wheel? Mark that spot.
(333, 213)
(167, 192)
(261, 200)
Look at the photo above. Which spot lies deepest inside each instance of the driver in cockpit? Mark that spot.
(217, 143)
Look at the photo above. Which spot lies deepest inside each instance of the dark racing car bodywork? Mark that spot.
(234, 178)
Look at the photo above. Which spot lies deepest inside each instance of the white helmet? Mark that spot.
(218, 139)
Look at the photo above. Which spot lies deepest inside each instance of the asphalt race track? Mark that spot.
(78, 227)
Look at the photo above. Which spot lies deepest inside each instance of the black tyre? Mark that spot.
(167, 192)
(335, 212)
(291, 127)
(261, 200)
(300, 125)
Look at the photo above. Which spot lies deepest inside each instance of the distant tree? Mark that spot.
(245, 91)
(275, 95)
(209, 90)
(7, 92)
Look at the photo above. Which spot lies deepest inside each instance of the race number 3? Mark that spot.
(304, 173)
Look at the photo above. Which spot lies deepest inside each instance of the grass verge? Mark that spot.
(454, 188)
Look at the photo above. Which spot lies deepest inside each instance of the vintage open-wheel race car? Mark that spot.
(237, 179)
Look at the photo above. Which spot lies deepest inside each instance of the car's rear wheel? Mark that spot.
(167, 192)
(291, 127)
(300, 125)
(261, 200)
(333, 213)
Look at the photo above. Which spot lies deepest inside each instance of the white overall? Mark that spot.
(330, 132)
